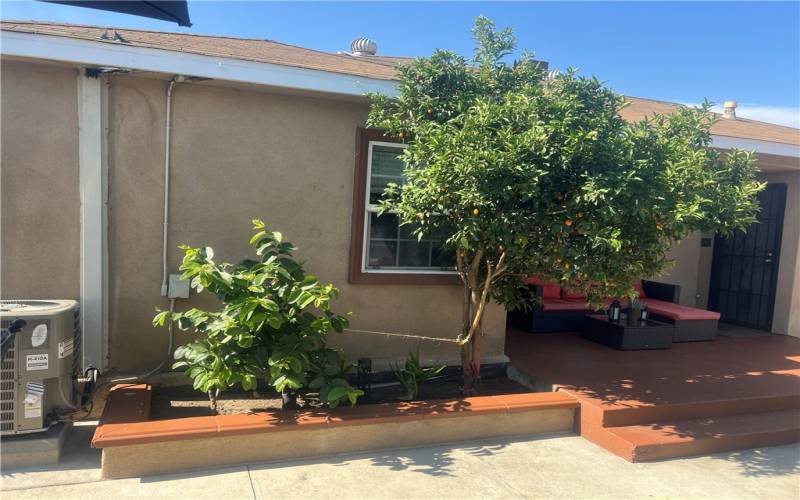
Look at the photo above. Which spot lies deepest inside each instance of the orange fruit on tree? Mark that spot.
(568, 222)
(475, 212)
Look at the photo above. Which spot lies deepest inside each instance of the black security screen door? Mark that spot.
(744, 271)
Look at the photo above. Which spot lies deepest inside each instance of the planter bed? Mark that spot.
(181, 402)
(135, 446)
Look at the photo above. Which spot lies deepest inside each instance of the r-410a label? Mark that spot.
(36, 362)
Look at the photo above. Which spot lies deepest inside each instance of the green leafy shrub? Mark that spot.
(272, 326)
(412, 375)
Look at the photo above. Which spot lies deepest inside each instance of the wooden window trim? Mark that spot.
(356, 276)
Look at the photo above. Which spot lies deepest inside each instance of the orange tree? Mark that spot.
(530, 175)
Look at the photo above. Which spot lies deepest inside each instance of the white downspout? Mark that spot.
(93, 182)
(167, 134)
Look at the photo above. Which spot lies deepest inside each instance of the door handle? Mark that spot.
(767, 261)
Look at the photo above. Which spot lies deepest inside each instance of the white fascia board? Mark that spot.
(766, 147)
(87, 52)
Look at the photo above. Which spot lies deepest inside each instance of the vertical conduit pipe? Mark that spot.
(167, 134)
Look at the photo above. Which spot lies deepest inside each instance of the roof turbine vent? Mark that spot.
(730, 110)
(363, 47)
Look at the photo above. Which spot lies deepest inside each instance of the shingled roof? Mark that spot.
(246, 49)
(639, 108)
(377, 67)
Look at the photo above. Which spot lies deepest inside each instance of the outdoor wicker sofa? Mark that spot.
(559, 310)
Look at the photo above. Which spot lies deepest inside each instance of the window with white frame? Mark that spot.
(388, 246)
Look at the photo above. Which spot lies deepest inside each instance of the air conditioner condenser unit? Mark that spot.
(40, 359)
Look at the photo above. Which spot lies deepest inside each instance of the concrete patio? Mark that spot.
(556, 466)
(692, 399)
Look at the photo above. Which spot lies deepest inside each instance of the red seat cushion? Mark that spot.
(564, 305)
(570, 295)
(549, 290)
(677, 312)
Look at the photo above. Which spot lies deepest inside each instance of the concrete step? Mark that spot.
(680, 438)
(622, 415)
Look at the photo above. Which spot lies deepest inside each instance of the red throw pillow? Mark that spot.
(639, 288)
(551, 291)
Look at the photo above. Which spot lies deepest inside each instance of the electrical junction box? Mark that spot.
(178, 288)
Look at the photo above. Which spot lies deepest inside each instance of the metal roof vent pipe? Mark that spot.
(730, 110)
(363, 47)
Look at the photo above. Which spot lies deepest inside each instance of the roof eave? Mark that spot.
(87, 52)
(759, 146)
(95, 53)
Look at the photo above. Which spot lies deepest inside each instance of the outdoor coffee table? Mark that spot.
(648, 334)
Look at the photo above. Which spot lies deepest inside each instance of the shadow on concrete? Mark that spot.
(432, 461)
(80, 463)
(766, 462)
(77, 454)
(435, 460)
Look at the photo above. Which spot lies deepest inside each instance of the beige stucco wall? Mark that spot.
(39, 178)
(236, 155)
(685, 255)
(786, 316)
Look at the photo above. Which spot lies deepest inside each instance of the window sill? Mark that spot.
(357, 277)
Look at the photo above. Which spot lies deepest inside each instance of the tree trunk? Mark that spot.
(476, 296)
(213, 394)
(289, 400)
(471, 365)
(469, 384)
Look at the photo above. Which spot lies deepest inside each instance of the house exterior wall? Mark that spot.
(693, 263)
(239, 155)
(685, 255)
(236, 155)
(39, 177)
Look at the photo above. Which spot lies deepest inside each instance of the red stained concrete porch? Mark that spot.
(694, 398)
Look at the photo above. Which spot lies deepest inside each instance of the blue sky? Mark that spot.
(681, 52)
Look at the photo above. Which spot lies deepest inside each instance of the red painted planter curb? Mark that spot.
(119, 425)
